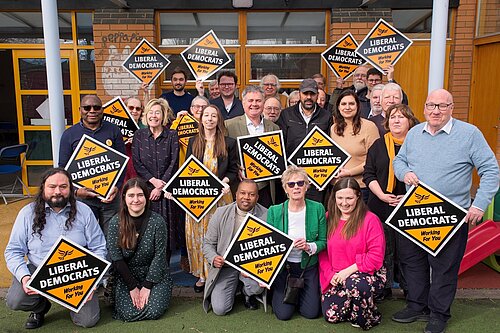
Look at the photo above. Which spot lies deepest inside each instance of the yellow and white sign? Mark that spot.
(116, 112)
(342, 58)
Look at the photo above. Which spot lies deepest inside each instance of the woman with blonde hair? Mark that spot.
(155, 152)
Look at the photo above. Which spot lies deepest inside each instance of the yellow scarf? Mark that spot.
(390, 141)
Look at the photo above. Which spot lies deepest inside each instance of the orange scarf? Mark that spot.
(390, 142)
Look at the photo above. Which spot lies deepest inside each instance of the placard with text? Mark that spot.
(427, 218)
(186, 128)
(262, 156)
(116, 112)
(68, 274)
(195, 188)
(320, 157)
(342, 58)
(96, 166)
(258, 250)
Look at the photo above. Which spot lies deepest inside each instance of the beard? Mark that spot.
(179, 87)
(57, 201)
(358, 85)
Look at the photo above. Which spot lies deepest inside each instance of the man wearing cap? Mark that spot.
(296, 122)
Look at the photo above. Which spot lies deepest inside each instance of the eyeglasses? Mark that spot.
(226, 84)
(441, 107)
(132, 108)
(300, 183)
(374, 80)
(196, 106)
(89, 107)
(271, 108)
(270, 84)
(359, 75)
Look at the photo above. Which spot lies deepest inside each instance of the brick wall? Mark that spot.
(357, 21)
(116, 33)
(489, 17)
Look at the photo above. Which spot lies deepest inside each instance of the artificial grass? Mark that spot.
(187, 315)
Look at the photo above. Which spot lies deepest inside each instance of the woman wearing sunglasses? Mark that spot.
(304, 221)
(134, 106)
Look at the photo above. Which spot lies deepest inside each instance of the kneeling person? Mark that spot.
(38, 225)
(223, 280)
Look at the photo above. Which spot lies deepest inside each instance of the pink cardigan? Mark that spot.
(366, 249)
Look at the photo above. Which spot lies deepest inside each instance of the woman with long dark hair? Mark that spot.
(136, 243)
(350, 270)
(355, 135)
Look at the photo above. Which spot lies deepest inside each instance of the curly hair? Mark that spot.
(40, 213)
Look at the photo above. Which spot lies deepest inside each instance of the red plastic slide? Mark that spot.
(484, 240)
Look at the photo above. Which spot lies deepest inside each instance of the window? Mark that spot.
(488, 18)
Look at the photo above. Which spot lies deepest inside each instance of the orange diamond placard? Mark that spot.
(342, 58)
(145, 62)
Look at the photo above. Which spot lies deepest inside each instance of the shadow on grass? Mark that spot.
(187, 315)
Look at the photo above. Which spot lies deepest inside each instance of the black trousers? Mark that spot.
(265, 198)
(432, 281)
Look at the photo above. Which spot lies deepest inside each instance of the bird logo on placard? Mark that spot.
(114, 110)
(252, 230)
(88, 150)
(272, 142)
(192, 171)
(381, 31)
(316, 141)
(346, 44)
(63, 254)
(421, 197)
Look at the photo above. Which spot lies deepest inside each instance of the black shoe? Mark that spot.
(384, 294)
(35, 320)
(251, 303)
(198, 289)
(408, 315)
(435, 326)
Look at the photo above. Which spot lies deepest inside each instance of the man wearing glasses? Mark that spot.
(442, 152)
(92, 123)
(358, 86)
(229, 106)
(271, 86)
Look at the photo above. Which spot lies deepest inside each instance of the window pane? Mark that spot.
(84, 31)
(32, 117)
(286, 66)
(40, 145)
(186, 28)
(26, 27)
(35, 173)
(415, 23)
(86, 69)
(286, 28)
(488, 20)
(33, 74)
(178, 62)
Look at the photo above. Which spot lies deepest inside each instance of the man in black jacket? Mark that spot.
(296, 122)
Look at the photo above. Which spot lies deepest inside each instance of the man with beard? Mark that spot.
(377, 115)
(38, 225)
(222, 279)
(92, 124)
(229, 106)
(178, 99)
(296, 122)
(359, 86)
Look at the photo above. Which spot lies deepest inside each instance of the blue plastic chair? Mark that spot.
(9, 155)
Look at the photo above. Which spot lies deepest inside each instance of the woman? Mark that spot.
(321, 98)
(293, 98)
(385, 189)
(355, 135)
(134, 106)
(155, 152)
(136, 244)
(304, 221)
(218, 153)
(350, 268)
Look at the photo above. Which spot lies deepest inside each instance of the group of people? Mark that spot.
(347, 257)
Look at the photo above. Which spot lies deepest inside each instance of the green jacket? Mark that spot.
(315, 226)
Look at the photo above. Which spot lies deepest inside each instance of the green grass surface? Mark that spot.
(187, 315)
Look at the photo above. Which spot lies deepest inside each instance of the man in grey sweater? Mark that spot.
(442, 152)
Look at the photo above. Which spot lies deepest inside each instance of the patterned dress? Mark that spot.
(147, 262)
(195, 231)
(158, 157)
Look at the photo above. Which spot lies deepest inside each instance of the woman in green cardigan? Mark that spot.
(304, 221)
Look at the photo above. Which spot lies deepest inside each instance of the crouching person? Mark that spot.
(38, 225)
(223, 280)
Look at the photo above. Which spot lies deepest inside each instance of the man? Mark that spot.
(222, 279)
(321, 98)
(271, 86)
(38, 225)
(442, 152)
(229, 106)
(321, 81)
(92, 124)
(178, 99)
(252, 122)
(358, 86)
(272, 109)
(377, 114)
(391, 95)
(296, 122)
(373, 78)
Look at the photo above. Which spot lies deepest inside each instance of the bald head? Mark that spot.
(438, 109)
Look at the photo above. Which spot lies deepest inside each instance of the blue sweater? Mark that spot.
(445, 162)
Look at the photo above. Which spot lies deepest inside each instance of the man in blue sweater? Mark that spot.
(442, 152)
